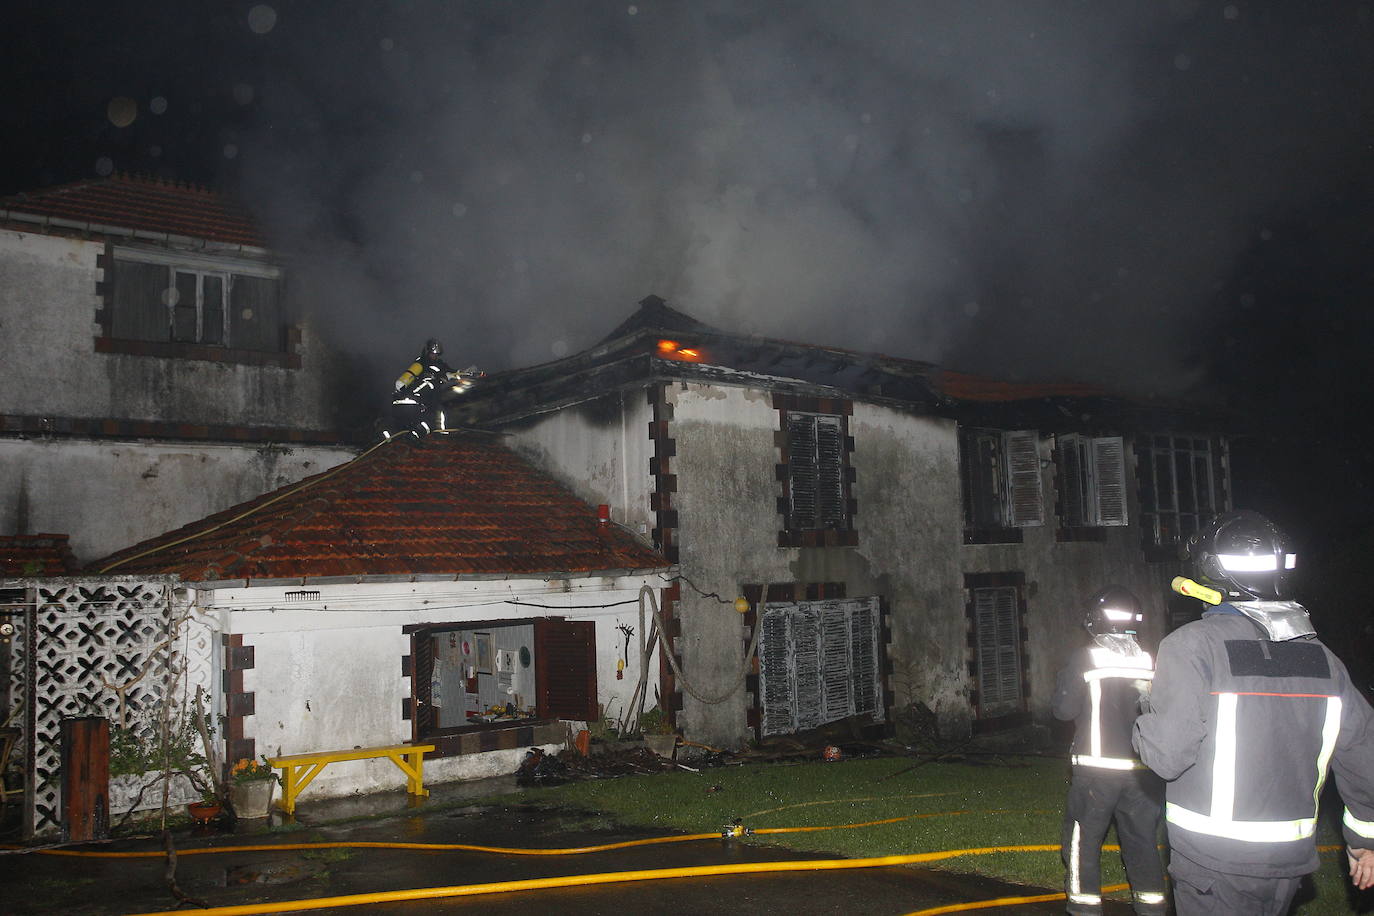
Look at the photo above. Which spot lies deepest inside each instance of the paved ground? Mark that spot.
(459, 813)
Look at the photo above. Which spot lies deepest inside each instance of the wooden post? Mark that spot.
(85, 779)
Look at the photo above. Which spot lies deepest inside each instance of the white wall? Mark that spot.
(48, 305)
(327, 672)
(110, 494)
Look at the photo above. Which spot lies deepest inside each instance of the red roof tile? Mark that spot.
(147, 204)
(36, 555)
(444, 505)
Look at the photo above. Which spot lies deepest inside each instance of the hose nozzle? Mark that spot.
(1185, 586)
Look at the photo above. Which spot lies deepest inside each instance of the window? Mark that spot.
(1092, 478)
(161, 298)
(819, 661)
(532, 670)
(1000, 473)
(997, 650)
(816, 504)
(1182, 486)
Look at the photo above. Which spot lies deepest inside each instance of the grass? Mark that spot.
(1012, 802)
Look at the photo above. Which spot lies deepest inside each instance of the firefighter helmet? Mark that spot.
(1114, 609)
(433, 348)
(1243, 555)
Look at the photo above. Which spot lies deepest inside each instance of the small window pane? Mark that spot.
(212, 312)
(184, 319)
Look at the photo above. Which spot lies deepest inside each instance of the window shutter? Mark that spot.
(1109, 479)
(775, 678)
(565, 669)
(806, 666)
(212, 310)
(998, 654)
(802, 471)
(818, 663)
(421, 673)
(140, 301)
(1073, 479)
(829, 473)
(1024, 505)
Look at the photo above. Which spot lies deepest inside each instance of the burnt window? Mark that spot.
(1092, 481)
(1000, 483)
(819, 662)
(816, 504)
(1182, 486)
(162, 300)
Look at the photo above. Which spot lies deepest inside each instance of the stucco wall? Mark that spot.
(48, 305)
(110, 494)
(327, 673)
(600, 450)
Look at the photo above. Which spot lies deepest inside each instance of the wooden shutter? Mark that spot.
(1073, 474)
(140, 301)
(1109, 481)
(801, 461)
(565, 669)
(830, 473)
(998, 650)
(421, 674)
(1020, 450)
(775, 677)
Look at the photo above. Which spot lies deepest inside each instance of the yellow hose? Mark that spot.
(1002, 901)
(502, 887)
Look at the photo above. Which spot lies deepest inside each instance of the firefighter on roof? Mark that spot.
(1100, 691)
(417, 403)
(1248, 710)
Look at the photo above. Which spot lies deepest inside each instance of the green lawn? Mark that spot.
(1009, 801)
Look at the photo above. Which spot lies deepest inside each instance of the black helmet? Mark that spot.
(1113, 610)
(433, 347)
(1242, 554)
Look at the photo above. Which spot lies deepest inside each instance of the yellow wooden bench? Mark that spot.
(298, 770)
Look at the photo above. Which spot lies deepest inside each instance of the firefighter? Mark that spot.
(417, 400)
(1100, 690)
(1248, 712)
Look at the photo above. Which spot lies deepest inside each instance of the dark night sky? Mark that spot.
(1168, 196)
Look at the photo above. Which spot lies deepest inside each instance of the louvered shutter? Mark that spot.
(421, 675)
(802, 470)
(1025, 508)
(829, 473)
(818, 663)
(565, 670)
(998, 652)
(1109, 481)
(1073, 480)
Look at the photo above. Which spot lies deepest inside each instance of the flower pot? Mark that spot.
(203, 812)
(662, 745)
(252, 799)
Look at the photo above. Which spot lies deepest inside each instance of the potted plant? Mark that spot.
(251, 783)
(659, 733)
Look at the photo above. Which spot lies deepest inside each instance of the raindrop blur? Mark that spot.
(121, 111)
(155, 151)
(632, 10)
(386, 44)
(866, 118)
(851, 142)
(580, 177)
(586, 138)
(971, 309)
(1182, 62)
(158, 105)
(262, 19)
(170, 296)
(1266, 235)
(104, 165)
(243, 93)
(559, 348)
(1231, 12)
(1247, 300)
(417, 176)
(521, 265)
(460, 210)
(965, 195)
(231, 151)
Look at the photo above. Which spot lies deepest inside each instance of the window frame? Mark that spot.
(1166, 523)
(832, 414)
(1092, 483)
(1001, 484)
(1002, 713)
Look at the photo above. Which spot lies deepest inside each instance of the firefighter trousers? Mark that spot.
(1134, 799)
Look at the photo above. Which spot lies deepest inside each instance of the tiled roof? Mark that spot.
(142, 204)
(445, 505)
(35, 555)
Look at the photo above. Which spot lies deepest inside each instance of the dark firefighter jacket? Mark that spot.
(1100, 690)
(1245, 729)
